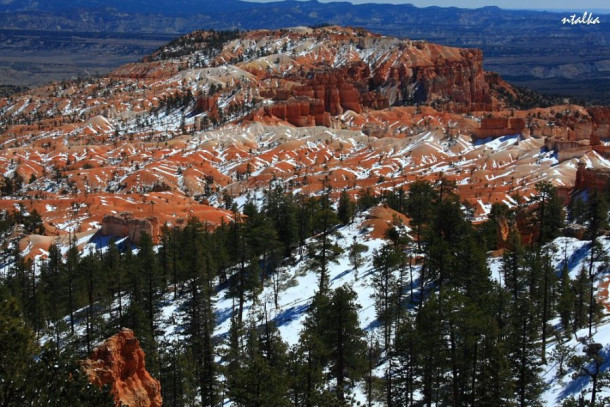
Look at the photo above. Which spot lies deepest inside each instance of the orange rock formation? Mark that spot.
(592, 178)
(394, 110)
(120, 363)
(125, 225)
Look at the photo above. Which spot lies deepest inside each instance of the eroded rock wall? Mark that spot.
(120, 363)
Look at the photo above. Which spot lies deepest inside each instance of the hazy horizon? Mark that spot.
(550, 5)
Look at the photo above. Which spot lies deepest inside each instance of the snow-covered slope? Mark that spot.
(297, 285)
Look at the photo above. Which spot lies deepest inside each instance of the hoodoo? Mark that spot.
(120, 363)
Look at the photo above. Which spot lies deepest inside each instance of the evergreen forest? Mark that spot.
(448, 331)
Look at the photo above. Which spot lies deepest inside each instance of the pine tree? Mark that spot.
(308, 360)
(386, 261)
(263, 240)
(366, 199)
(561, 355)
(344, 339)
(200, 314)
(171, 375)
(541, 281)
(597, 214)
(396, 199)
(233, 358)
(373, 356)
(596, 254)
(549, 217)
(345, 209)
(57, 379)
(240, 252)
(323, 251)
(460, 356)
(406, 347)
(114, 272)
(470, 270)
(170, 250)
(50, 279)
(521, 342)
(260, 378)
(149, 269)
(491, 363)
(306, 208)
(150, 282)
(89, 273)
(432, 352)
(577, 210)
(490, 229)
(355, 254)
(18, 347)
(565, 303)
(71, 280)
(520, 331)
(581, 287)
(512, 265)
(590, 365)
(446, 233)
(598, 220)
(420, 204)
(286, 224)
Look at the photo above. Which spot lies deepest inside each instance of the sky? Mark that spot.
(507, 4)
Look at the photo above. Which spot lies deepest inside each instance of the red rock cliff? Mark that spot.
(356, 70)
(120, 363)
(125, 225)
(592, 178)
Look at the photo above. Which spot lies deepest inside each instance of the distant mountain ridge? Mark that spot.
(529, 48)
(126, 6)
(307, 12)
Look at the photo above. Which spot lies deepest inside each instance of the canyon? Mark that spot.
(214, 118)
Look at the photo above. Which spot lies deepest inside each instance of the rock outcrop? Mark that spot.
(498, 127)
(300, 112)
(120, 363)
(600, 117)
(125, 225)
(356, 70)
(566, 150)
(209, 105)
(592, 178)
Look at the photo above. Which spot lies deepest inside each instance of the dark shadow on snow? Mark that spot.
(374, 324)
(577, 256)
(575, 386)
(341, 275)
(290, 314)
(223, 315)
(102, 241)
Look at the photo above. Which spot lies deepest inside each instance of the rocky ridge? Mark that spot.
(215, 116)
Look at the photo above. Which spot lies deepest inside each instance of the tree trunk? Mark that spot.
(591, 297)
(454, 368)
(340, 360)
(71, 300)
(242, 284)
(545, 312)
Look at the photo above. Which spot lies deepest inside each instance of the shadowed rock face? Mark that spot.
(208, 105)
(125, 225)
(592, 178)
(356, 70)
(120, 363)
